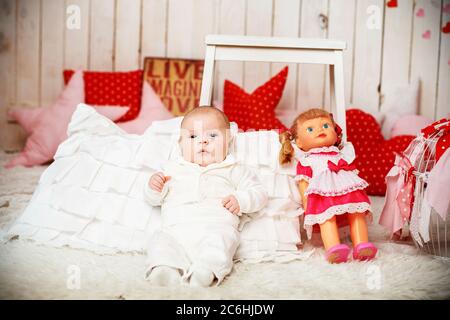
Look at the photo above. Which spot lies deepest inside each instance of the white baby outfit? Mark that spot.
(197, 231)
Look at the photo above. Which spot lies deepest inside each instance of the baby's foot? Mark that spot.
(164, 276)
(201, 277)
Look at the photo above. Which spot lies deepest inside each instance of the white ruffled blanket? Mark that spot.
(91, 196)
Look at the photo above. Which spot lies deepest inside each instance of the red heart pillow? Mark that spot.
(374, 155)
(112, 89)
(256, 110)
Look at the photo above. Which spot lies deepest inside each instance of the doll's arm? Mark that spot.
(304, 173)
(302, 186)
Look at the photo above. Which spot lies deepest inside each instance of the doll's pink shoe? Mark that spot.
(338, 253)
(364, 251)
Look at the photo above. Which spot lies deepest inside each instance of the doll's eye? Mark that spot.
(309, 129)
(213, 135)
(326, 126)
(193, 136)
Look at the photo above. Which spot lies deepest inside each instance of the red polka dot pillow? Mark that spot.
(112, 89)
(256, 110)
(374, 155)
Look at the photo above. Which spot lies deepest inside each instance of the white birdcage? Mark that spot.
(430, 233)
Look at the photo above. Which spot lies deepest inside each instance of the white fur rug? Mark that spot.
(29, 271)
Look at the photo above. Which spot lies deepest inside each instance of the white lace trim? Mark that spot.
(301, 177)
(323, 149)
(332, 193)
(304, 156)
(312, 219)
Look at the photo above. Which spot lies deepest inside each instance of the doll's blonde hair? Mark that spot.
(287, 151)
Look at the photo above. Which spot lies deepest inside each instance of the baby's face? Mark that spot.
(316, 133)
(204, 139)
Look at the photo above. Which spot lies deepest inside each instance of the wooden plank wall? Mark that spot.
(387, 46)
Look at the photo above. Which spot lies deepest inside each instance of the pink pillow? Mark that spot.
(218, 105)
(151, 109)
(47, 126)
(398, 101)
(410, 125)
(25, 117)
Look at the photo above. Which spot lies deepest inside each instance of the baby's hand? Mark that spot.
(231, 204)
(157, 181)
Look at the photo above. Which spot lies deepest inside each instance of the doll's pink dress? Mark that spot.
(334, 186)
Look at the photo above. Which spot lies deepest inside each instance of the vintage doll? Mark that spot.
(202, 193)
(332, 192)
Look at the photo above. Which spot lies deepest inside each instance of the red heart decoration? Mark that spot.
(442, 145)
(392, 4)
(446, 28)
(446, 8)
(374, 155)
(426, 34)
(420, 13)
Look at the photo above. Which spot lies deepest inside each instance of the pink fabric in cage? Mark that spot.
(392, 217)
(437, 193)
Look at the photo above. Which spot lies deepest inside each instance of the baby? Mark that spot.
(202, 195)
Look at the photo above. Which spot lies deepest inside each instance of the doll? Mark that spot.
(331, 190)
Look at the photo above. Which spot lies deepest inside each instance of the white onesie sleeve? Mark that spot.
(250, 193)
(153, 197)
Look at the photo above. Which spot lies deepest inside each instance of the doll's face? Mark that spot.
(204, 139)
(315, 133)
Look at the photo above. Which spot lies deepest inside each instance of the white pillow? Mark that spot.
(398, 101)
(91, 195)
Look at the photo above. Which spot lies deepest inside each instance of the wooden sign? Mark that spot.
(177, 82)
